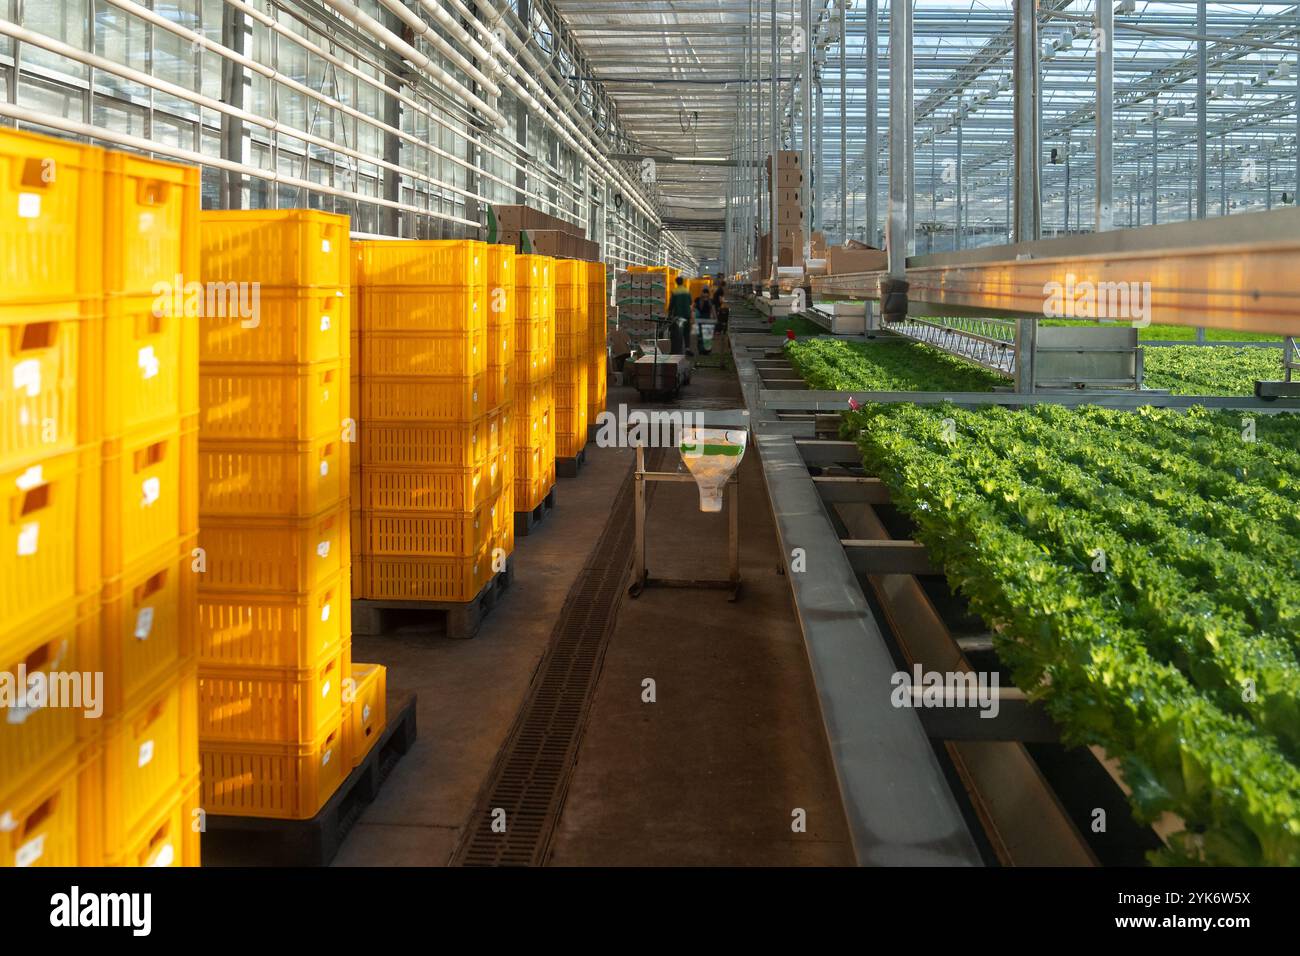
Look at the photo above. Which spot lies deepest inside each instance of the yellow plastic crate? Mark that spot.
(148, 623)
(571, 322)
(398, 445)
(272, 478)
(570, 431)
(425, 579)
(47, 392)
(415, 534)
(269, 704)
(367, 708)
(151, 218)
(170, 837)
(276, 402)
(533, 335)
(533, 368)
(432, 263)
(459, 309)
(441, 354)
(33, 736)
(276, 247)
(150, 365)
(425, 489)
(51, 218)
(423, 399)
(279, 781)
(570, 387)
(49, 536)
(274, 555)
(501, 349)
(259, 629)
(499, 383)
(148, 754)
(289, 326)
(570, 348)
(142, 494)
(535, 428)
(42, 817)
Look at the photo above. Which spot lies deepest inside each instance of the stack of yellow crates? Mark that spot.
(275, 599)
(597, 352)
(534, 411)
(96, 400)
(572, 365)
(501, 363)
(431, 480)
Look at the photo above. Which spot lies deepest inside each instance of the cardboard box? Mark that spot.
(786, 159)
(840, 260)
(514, 218)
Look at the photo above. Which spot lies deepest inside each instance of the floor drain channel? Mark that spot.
(531, 773)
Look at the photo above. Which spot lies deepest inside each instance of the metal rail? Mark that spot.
(1207, 273)
(796, 400)
(899, 807)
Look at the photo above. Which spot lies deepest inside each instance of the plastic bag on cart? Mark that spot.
(712, 456)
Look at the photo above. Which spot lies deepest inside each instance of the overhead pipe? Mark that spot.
(141, 144)
(423, 30)
(351, 12)
(563, 99)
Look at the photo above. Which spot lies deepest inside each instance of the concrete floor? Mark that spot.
(710, 774)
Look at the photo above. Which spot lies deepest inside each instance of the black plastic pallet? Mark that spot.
(256, 841)
(461, 619)
(526, 521)
(569, 467)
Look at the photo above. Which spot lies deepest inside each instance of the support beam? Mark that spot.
(1104, 203)
(899, 226)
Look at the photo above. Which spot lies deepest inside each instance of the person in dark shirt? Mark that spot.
(720, 311)
(704, 312)
(679, 316)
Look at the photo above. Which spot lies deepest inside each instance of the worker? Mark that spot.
(679, 317)
(720, 310)
(704, 316)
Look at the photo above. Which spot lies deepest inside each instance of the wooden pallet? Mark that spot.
(257, 841)
(460, 619)
(526, 521)
(569, 467)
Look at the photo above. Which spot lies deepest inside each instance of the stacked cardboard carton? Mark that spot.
(785, 190)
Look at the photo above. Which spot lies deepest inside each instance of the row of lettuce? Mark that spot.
(1141, 571)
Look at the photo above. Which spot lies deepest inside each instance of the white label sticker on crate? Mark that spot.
(150, 491)
(145, 755)
(27, 377)
(7, 822)
(148, 362)
(143, 623)
(325, 757)
(29, 205)
(325, 689)
(33, 477)
(324, 468)
(323, 549)
(365, 712)
(166, 856)
(325, 612)
(324, 323)
(30, 852)
(146, 222)
(29, 539)
(324, 245)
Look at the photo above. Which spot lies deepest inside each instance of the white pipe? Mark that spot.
(506, 157)
(350, 11)
(563, 100)
(423, 29)
(451, 24)
(141, 144)
(144, 79)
